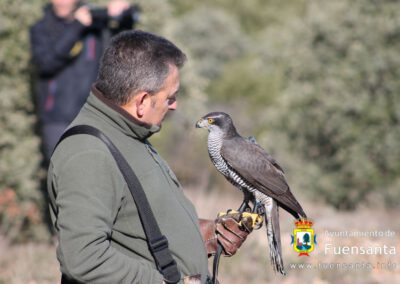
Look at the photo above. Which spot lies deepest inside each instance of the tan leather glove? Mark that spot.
(230, 230)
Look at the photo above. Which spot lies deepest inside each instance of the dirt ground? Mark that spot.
(352, 247)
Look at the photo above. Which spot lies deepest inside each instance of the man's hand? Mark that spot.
(83, 15)
(116, 7)
(231, 235)
(230, 230)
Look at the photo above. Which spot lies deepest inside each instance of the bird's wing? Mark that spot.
(259, 169)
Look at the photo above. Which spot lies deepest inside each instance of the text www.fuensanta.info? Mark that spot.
(391, 266)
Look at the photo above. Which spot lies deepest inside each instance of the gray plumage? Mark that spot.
(249, 167)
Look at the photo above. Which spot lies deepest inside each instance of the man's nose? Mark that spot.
(173, 106)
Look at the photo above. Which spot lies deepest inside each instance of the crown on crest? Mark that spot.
(303, 224)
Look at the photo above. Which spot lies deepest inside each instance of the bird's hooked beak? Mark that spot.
(202, 123)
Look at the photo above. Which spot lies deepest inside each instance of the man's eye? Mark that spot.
(171, 101)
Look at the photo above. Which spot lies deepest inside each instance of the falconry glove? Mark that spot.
(228, 229)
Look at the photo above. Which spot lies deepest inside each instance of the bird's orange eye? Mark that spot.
(210, 120)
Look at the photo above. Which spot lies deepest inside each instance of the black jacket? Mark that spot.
(66, 55)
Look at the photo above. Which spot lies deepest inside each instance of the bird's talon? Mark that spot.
(261, 210)
(258, 226)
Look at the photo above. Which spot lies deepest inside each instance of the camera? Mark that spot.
(100, 16)
(130, 16)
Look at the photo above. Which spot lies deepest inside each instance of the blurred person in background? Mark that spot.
(66, 45)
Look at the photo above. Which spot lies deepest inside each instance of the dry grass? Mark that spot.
(251, 263)
(28, 264)
(36, 264)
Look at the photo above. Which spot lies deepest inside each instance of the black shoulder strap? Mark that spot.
(158, 243)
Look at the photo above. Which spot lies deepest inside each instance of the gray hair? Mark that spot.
(136, 61)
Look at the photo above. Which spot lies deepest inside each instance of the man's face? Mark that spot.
(64, 8)
(164, 100)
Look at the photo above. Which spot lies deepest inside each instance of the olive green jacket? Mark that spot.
(101, 239)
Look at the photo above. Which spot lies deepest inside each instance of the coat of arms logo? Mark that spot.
(304, 239)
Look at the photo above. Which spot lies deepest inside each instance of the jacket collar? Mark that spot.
(119, 117)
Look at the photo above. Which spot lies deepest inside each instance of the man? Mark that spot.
(66, 48)
(101, 239)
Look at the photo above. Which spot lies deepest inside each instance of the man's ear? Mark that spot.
(138, 104)
(142, 102)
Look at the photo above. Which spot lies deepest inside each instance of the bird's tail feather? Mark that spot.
(274, 239)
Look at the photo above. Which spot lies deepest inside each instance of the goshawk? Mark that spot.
(250, 168)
